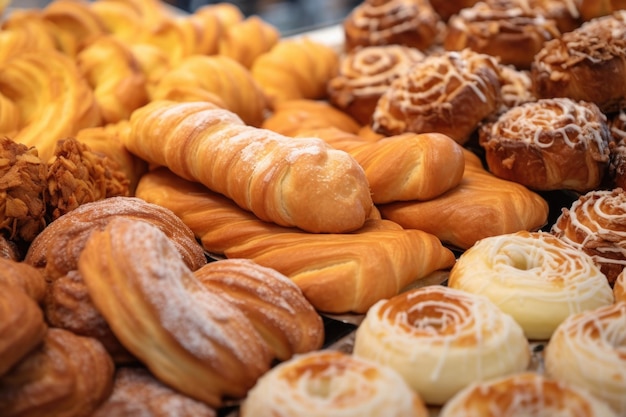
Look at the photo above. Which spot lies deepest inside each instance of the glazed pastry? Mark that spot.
(577, 64)
(619, 287)
(121, 19)
(448, 8)
(595, 224)
(449, 93)
(441, 340)
(522, 394)
(482, 205)
(507, 29)
(246, 40)
(24, 30)
(585, 350)
(137, 392)
(535, 277)
(412, 23)
(549, 144)
(190, 338)
(272, 302)
(617, 150)
(331, 383)
(516, 88)
(295, 69)
(337, 273)
(22, 327)
(67, 375)
(365, 73)
(303, 183)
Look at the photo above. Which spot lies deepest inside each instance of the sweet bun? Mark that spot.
(534, 276)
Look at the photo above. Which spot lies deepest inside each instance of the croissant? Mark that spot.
(24, 30)
(247, 39)
(303, 183)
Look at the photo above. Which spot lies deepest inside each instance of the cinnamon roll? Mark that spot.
(587, 350)
(450, 93)
(525, 394)
(441, 339)
(549, 144)
(595, 223)
(365, 74)
(534, 276)
(331, 383)
(617, 150)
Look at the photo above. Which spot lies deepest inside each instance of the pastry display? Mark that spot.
(332, 383)
(585, 351)
(449, 92)
(534, 276)
(549, 144)
(595, 224)
(441, 339)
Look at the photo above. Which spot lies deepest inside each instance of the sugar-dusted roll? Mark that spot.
(596, 224)
(587, 350)
(549, 144)
(441, 339)
(534, 276)
(331, 384)
(525, 394)
(619, 287)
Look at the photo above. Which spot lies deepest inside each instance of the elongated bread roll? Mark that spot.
(303, 183)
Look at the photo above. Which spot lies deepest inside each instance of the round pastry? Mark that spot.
(579, 63)
(137, 393)
(412, 23)
(587, 350)
(330, 383)
(189, 337)
(596, 224)
(619, 287)
(525, 394)
(365, 74)
(450, 93)
(67, 375)
(23, 276)
(549, 144)
(507, 29)
(534, 276)
(441, 339)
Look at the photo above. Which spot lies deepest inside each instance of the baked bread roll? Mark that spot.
(331, 383)
(577, 64)
(523, 394)
(535, 277)
(481, 205)
(596, 224)
(585, 351)
(619, 287)
(189, 337)
(337, 273)
(412, 23)
(67, 375)
(303, 183)
(441, 339)
(365, 73)
(549, 144)
(449, 93)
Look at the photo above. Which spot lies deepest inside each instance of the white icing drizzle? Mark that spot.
(382, 20)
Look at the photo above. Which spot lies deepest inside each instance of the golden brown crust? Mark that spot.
(619, 287)
(590, 9)
(23, 276)
(549, 144)
(246, 40)
(67, 375)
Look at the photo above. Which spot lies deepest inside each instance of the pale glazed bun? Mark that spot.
(522, 395)
(587, 350)
(441, 339)
(534, 276)
(332, 384)
(549, 144)
(619, 288)
(596, 224)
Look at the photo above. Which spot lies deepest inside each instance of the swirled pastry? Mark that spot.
(365, 74)
(586, 350)
(577, 64)
(67, 375)
(534, 276)
(549, 144)
(619, 287)
(449, 92)
(441, 339)
(525, 394)
(331, 383)
(596, 224)
(412, 23)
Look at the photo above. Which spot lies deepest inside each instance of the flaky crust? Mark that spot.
(246, 40)
(337, 273)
